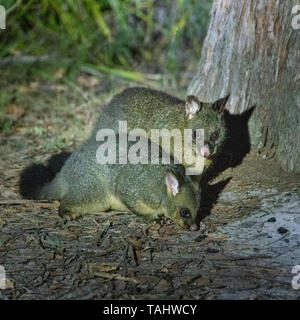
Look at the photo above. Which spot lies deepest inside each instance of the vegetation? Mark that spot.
(48, 44)
(116, 34)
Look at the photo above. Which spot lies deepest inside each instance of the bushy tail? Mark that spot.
(37, 181)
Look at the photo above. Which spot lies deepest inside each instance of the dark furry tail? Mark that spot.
(34, 178)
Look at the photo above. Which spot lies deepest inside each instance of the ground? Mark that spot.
(245, 249)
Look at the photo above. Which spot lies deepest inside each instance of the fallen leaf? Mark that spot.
(33, 85)
(168, 230)
(114, 276)
(163, 285)
(9, 284)
(88, 81)
(50, 255)
(197, 278)
(102, 267)
(203, 281)
(2, 223)
(148, 279)
(60, 73)
(135, 242)
(55, 285)
(217, 236)
(168, 268)
(155, 227)
(14, 112)
(45, 205)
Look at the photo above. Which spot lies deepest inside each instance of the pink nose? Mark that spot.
(194, 227)
(205, 151)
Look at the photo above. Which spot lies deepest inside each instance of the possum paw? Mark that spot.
(69, 215)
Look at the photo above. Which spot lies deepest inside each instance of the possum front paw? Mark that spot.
(67, 214)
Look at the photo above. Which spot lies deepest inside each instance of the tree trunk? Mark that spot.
(252, 51)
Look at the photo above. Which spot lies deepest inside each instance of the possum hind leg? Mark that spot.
(72, 207)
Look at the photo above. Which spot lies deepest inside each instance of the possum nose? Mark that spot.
(205, 151)
(194, 227)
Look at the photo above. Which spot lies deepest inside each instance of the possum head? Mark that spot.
(184, 196)
(210, 117)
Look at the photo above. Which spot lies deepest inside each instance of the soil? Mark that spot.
(246, 247)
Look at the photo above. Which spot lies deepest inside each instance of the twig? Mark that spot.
(103, 233)
(26, 59)
(284, 236)
(13, 7)
(19, 202)
(124, 257)
(113, 276)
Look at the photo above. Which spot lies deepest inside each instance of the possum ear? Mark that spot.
(172, 183)
(220, 104)
(192, 106)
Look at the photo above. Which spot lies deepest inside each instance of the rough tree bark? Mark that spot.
(252, 52)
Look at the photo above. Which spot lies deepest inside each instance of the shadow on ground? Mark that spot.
(231, 154)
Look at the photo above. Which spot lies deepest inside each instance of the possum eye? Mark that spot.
(185, 213)
(214, 136)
